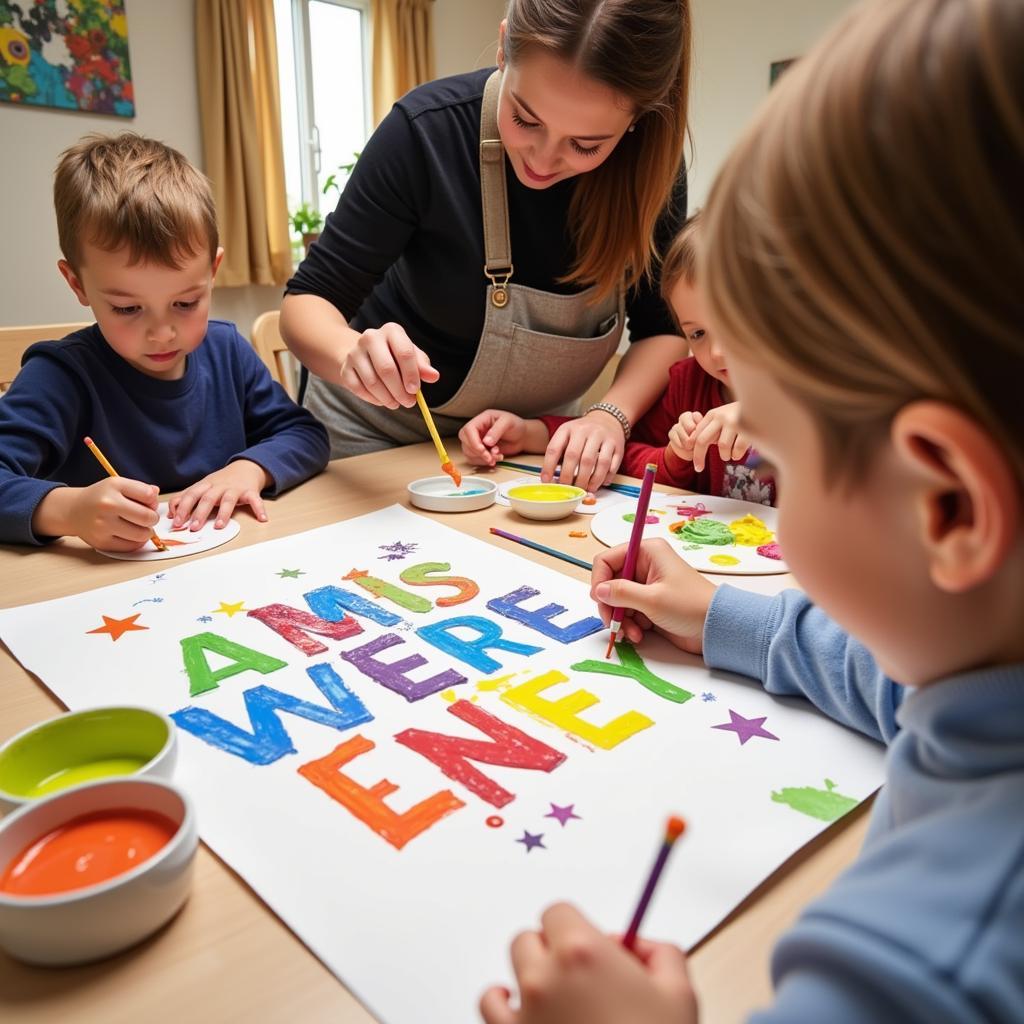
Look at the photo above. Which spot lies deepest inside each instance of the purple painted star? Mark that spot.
(397, 551)
(530, 840)
(746, 727)
(563, 814)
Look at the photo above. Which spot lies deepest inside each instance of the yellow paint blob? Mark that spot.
(498, 683)
(448, 695)
(750, 531)
(545, 492)
(724, 560)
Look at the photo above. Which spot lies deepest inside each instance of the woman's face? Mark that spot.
(554, 121)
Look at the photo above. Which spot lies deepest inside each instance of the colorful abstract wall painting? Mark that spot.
(409, 758)
(71, 54)
(719, 535)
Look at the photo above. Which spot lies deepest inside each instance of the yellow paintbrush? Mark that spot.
(446, 463)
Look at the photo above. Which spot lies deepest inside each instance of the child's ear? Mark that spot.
(73, 281)
(216, 262)
(969, 503)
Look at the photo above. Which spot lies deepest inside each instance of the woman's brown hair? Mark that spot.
(640, 49)
(864, 242)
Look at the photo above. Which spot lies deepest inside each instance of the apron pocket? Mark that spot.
(545, 371)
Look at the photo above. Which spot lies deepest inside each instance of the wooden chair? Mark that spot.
(14, 341)
(270, 347)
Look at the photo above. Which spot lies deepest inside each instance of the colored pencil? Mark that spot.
(636, 535)
(446, 464)
(103, 461)
(542, 547)
(631, 489)
(674, 828)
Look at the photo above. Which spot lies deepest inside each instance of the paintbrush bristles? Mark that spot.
(611, 645)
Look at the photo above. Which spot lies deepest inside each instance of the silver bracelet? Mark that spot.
(612, 410)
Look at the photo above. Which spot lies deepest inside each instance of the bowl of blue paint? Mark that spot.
(84, 746)
(439, 494)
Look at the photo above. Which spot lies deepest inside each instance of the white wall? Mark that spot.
(162, 51)
(735, 42)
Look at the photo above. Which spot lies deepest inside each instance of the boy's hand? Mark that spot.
(238, 483)
(570, 973)
(589, 448)
(669, 596)
(386, 368)
(492, 434)
(696, 432)
(115, 514)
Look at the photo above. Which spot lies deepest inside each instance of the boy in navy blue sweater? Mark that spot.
(178, 402)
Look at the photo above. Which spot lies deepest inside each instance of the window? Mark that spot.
(323, 51)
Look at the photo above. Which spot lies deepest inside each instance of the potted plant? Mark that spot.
(306, 222)
(333, 182)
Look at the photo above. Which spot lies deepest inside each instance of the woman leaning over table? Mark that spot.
(496, 231)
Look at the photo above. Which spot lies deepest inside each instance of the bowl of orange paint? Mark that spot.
(83, 746)
(545, 501)
(90, 871)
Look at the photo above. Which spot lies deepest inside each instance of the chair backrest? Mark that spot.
(14, 341)
(270, 347)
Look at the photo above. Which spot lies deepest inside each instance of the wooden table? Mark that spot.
(226, 957)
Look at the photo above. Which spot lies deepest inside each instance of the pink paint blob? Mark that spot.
(693, 511)
(771, 550)
(495, 821)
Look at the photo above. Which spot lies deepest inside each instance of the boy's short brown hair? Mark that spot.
(680, 262)
(128, 190)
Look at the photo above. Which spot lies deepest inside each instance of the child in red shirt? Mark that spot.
(689, 433)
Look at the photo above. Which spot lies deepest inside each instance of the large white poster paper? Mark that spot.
(408, 742)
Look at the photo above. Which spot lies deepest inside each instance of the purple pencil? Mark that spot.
(635, 537)
(674, 828)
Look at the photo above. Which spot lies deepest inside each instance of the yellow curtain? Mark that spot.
(403, 49)
(239, 106)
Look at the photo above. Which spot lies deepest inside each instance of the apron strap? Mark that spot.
(494, 198)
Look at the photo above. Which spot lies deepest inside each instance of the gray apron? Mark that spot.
(538, 353)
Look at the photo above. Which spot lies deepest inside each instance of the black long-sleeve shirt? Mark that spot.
(405, 243)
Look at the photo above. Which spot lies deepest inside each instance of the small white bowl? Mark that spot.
(545, 501)
(85, 746)
(439, 494)
(87, 924)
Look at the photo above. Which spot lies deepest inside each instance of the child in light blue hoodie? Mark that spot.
(864, 268)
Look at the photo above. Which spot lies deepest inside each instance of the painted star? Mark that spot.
(291, 574)
(746, 727)
(397, 551)
(231, 610)
(118, 627)
(205, 618)
(530, 840)
(708, 697)
(563, 814)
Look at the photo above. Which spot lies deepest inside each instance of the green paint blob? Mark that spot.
(67, 777)
(633, 667)
(823, 804)
(706, 531)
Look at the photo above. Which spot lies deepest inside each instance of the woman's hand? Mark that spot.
(386, 368)
(589, 448)
(668, 596)
(696, 432)
(570, 973)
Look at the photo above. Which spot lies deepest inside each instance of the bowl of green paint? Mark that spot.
(84, 746)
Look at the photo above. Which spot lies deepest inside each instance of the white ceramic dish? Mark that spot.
(88, 924)
(439, 494)
(559, 501)
(85, 746)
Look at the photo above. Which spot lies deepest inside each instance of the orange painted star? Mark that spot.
(118, 627)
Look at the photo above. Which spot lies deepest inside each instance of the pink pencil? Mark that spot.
(635, 537)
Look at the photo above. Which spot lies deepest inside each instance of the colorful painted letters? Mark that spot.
(394, 675)
(540, 618)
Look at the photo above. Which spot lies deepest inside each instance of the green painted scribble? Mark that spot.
(823, 804)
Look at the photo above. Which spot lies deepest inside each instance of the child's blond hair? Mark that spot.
(865, 240)
(127, 190)
(680, 262)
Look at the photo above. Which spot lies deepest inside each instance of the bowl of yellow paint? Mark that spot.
(545, 501)
(83, 746)
(89, 871)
